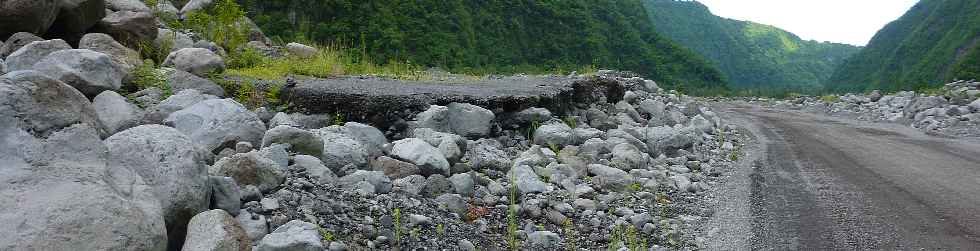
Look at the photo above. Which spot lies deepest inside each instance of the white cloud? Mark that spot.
(842, 21)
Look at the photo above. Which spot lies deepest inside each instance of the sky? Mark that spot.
(842, 21)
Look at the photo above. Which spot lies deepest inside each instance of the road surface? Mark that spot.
(815, 182)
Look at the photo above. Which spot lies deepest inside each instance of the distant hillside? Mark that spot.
(494, 35)
(751, 55)
(934, 42)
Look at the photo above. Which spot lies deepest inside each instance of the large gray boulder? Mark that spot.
(197, 61)
(299, 140)
(429, 159)
(487, 154)
(215, 123)
(314, 169)
(28, 55)
(393, 168)
(377, 181)
(340, 150)
(172, 165)
(61, 193)
(75, 17)
(88, 71)
(251, 168)
(225, 194)
(195, 5)
(125, 58)
(293, 236)
(301, 50)
(664, 139)
(129, 27)
(31, 16)
(116, 112)
(181, 80)
(371, 139)
(469, 120)
(609, 178)
(451, 146)
(256, 226)
(131, 5)
(526, 180)
(16, 41)
(555, 132)
(627, 156)
(543, 240)
(216, 230)
(41, 105)
(436, 118)
(183, 99)
(920, 104)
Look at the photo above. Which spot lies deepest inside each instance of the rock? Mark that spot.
(437, 185)
(429, 159)
(453, 203)
(656, 109)
(129, 27)
(666, 139)
(181, 80)
(556, 133)
(465, 245)
(702, 125)
(183, 99)
(125, 58)
(28, 55)
(3, 67)
(216, 230)
(165, 7)
(412, 184)
(543, 239)
(340, 150)
(255, 225)
(314, 169)
(62, 194)
(436, 118)
(301, 50)
(469, 120)
(194, 5)
(299, 140)
(225, 194)
(371, 139)
(75, 17)
(171, 164)
(975, 106)
(269, 204)
(526, 180)
(609, 178)
(683, 183)
(115, 111)
(627, 157)
(88, 71)
(529, 115)
(250, 169)
(27, 16)
(462, 183)
(17, 41)
(131, 5)
(172, 40)
(875, 96)
(450, 145)
(393, 168)
(487, 154)
(650, 86)
(215, 123)
(920, 104)
(282, 118)
(295, 235)
(197, 61)
(378, 180)
(59, 107)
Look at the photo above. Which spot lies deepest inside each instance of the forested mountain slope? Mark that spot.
(752, 55)
(934, 42)
(493, 35)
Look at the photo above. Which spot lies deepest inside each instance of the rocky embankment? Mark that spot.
(954, 111)
(577, 162)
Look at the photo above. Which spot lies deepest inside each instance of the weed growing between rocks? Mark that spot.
(148, 75)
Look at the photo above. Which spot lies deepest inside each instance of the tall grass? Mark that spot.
(330, 61)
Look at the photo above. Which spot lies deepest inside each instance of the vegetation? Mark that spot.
(935, 42)
(148, 75)
(470, 36)
(761, 59)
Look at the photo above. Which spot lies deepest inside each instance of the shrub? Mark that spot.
(148, 75)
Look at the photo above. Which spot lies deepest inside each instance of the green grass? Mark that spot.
(830, 98)
(330, 61)
(148, 75)
(396, 217)
(512, 225)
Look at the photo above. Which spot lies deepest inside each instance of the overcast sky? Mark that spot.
(843, 21)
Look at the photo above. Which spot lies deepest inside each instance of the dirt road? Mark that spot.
(821, 183)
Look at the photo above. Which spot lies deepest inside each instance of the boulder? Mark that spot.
(197, 61)
(3, 67)
(75, 17)
(529, 115)
(462, 183)
(181, 80)
(393, 168)
(115, 111)
(920, 104)
(16, 41)
(543, 240)
(487, 154)
(194, 5)
(378, 181)
(436, 118)
(216, 230)
(29, 16)
(183, 99)
(555, 132)
(314, 169)
(131, 5)
(412, 184)
(436, 185)
(370, 138)
(628, 157)
(301, 50)
(875, 96)
(295, 235)
(340, 150)
(975, 105)
(609, 178)
(469, 120)
(125, 58)
(225, 194)
(129, 27)
(41, 105)
(526, 180)
(165, 7)
(61, 193)
(217, 123)
(429, 159)
(299, 140)
(250, 169)
(255, 225)
(28, 55)
(88, 71)
(453, 203)
(170, 40)
(664, 139)
(451, 146)
(172, 165)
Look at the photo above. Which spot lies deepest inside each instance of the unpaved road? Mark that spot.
(820, 183)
